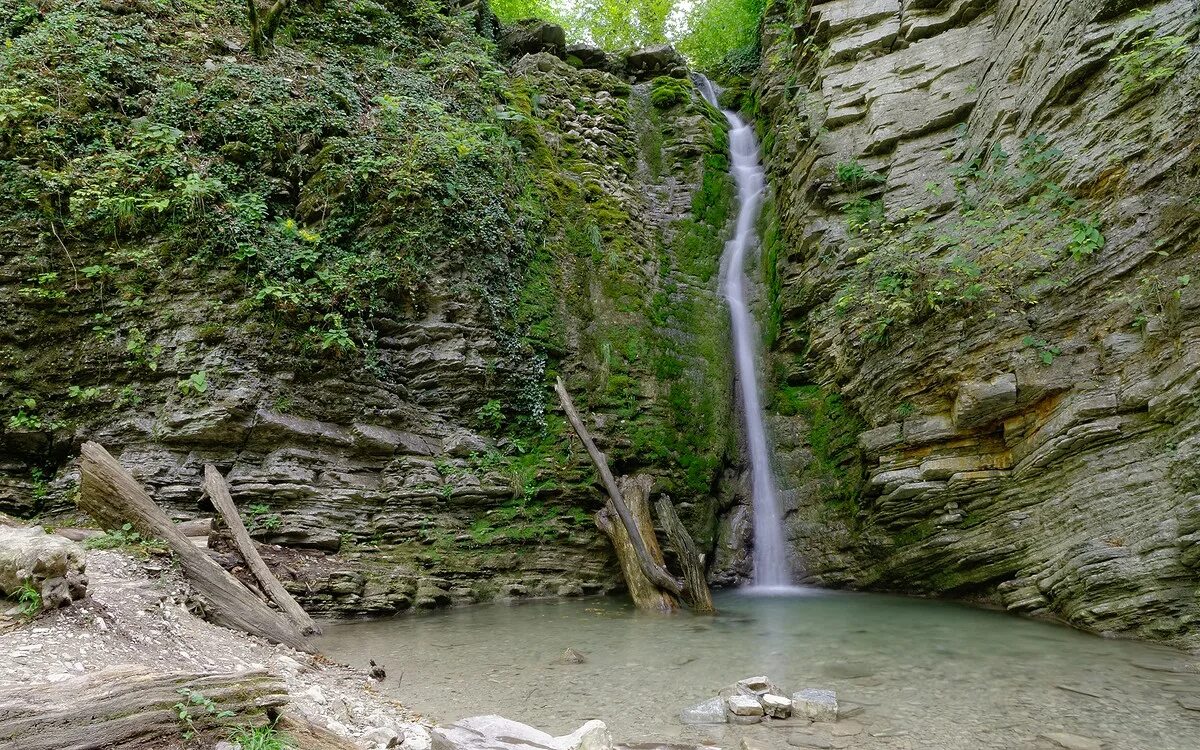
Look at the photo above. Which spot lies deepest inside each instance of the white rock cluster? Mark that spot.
(753, 699)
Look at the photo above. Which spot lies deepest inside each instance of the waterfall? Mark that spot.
(770, 553)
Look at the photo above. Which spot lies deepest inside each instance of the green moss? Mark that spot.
(667, 92)
(833, 430)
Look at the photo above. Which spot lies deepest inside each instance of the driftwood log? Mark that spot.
(653, 570)
(635, 491)
(217, 491)
(696, 594)
(110, 495)
(127, 707)
(650, 582)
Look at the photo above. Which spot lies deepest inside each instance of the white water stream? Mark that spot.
(771, 571)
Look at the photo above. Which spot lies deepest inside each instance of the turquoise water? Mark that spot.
(926, 674)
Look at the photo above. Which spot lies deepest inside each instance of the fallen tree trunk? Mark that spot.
(696, 594)
(218, 492)
(636, 493)
(113, 497)
(130, 707)
(654, 570)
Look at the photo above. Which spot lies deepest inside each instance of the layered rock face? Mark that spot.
(989, 214)
(571, 226)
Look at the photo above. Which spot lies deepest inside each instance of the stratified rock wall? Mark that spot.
(991, 214)
(422, 464)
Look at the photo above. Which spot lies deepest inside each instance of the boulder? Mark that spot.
(531, 36)
(652, 62)
(498, 733)
(818, 705)
(711, 711)
(589, 56)
(51, 564)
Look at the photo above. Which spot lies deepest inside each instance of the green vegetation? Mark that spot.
(260, 518)
(723, 36)
(124, 538)
(1150, 62)
(667, 92)
(194, 705)
(833, 430)
(718, 36)
(1046, 351)
(1011, 235)
(29, 600)
(265, 737)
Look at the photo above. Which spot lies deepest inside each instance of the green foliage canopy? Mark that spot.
(716, 35)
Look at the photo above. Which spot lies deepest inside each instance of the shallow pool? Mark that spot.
(926, 674)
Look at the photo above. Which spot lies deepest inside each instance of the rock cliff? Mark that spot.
(981, 305)
(345, 271)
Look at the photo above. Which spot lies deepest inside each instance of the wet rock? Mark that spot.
(498, 733)
(531, 36)
(54, 566)
(846, 729)
(776, 706)
(757, 686)
(711, 711)
(744, 705)
(818, 705)
(571, 656)
(810, 740)
(1072, 741)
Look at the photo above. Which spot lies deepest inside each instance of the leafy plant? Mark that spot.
(1046, 351)
(491, 414)
(1085, 238)
(195, 384)
(83, 395)
(260, 518)
(25, 420)
(194, 705)
(29, 600)
(1150, 61)
(123, 538)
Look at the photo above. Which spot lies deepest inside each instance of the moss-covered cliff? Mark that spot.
(345, 270)
(986, 217)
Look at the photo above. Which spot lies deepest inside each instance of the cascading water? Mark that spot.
(770, 555)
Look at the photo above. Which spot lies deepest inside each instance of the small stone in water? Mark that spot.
(711, 711)
(571, 656)
(1072, 741)
(744, 705)
(818, 705)
(776, 706)
(757, 685)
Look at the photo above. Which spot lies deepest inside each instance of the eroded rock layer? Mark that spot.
(345, 273)
(988, 215)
